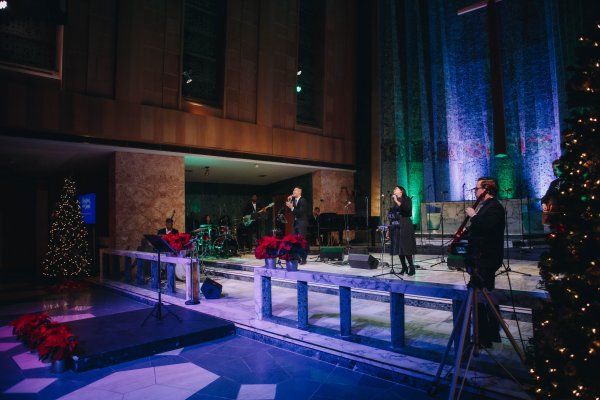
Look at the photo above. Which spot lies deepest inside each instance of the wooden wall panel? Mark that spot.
(241, 60)
(145, 82)
(102, 48)
(75, 47)
(283, 28)
(339, 95)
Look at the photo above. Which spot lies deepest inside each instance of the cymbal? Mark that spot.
(206, 226)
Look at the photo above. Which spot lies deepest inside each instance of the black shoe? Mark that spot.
(411, 271)
(402, 271)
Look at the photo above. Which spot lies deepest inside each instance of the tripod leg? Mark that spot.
(504, 326)
(455, 330)
(464, 336)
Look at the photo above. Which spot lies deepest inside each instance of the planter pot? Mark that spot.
(58, 366)
(291, 265)
(269, 263)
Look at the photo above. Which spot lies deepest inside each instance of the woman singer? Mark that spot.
(403, 242)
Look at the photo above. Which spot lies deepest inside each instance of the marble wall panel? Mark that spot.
(147, 189)
(332, 190)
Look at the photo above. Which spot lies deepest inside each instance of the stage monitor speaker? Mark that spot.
(364, 261)
(331, 253)
(211, 289)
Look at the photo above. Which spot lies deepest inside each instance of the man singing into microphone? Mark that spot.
(298, 205)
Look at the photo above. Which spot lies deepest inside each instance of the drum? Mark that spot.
(226, 246)
(180, 272)
(223, 230)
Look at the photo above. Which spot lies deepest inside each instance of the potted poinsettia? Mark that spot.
(57, 345)
(26, 324)
(293, 249)
(268, 249)
(178, 241)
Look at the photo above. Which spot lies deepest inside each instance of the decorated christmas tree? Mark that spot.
(567, 336)
(68, 249)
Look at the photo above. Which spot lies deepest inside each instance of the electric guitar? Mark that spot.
(250, 218)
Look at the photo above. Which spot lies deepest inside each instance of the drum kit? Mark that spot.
(214, 241)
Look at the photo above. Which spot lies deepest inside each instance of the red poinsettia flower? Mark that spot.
(268, 247)
(58, 343)
(26, 324)
(293, 247)
(178, 241)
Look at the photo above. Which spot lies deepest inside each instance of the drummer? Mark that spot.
(208, 224)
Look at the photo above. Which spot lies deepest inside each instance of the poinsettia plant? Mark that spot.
(179, 241)
(58, 343)
(26, 324)
(293, 248)
(39, 334)
(268, 247)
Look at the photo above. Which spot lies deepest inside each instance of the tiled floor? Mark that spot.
(230, 368)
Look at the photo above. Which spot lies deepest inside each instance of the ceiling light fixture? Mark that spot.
(187, 75)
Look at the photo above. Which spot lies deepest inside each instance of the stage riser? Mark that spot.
(356, 294)
(116, 338)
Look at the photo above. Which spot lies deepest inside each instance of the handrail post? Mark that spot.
(397, 319)
(262, 295)
(345, 311)
(302, 289)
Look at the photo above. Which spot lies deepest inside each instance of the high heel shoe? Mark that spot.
(411, 270)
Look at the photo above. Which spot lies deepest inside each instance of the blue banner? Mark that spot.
(88, 208)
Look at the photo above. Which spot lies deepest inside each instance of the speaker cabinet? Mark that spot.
(363, 261)
(211, 289)
(331, 253)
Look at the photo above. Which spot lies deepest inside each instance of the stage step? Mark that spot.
(111, 339)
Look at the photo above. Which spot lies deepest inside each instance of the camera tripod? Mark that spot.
(469, 312)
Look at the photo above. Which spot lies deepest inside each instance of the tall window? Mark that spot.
(203, 45)
(309, 83)
(31, 36)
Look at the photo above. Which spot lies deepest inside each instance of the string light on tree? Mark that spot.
(567, 340)
(68, 253)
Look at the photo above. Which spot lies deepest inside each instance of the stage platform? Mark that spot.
(126, 336)
(428, 320)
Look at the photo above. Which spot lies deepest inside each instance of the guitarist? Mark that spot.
(550, 199)
(251, 230)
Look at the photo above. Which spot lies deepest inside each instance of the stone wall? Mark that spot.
(146, 189)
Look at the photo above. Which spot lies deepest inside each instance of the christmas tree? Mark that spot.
(68, 248)
(567, 336)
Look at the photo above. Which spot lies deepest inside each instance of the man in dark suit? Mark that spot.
(299, 207)
(486, 252)
(168, 228)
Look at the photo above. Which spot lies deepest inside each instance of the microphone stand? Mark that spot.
(507, 266)
(442, 259)
(421, 218)
(347, 229)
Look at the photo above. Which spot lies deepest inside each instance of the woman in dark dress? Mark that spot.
(403, 242)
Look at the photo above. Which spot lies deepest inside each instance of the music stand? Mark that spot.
(160, 246)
